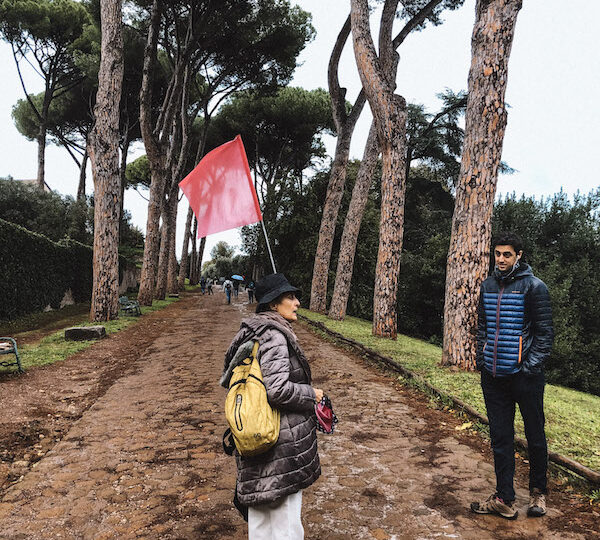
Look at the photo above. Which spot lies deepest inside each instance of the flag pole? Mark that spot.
(268, 245)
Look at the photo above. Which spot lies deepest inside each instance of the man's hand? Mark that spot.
(318, 394)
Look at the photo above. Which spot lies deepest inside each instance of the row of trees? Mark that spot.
(173, 74)
(485, 121)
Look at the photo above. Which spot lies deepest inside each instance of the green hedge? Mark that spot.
(36, 272)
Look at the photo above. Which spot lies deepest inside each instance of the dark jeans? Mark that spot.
(501, 394)
(250, 296)
(228, 294)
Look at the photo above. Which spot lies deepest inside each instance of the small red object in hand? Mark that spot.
(326, 418)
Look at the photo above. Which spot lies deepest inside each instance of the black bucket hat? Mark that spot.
(271, 286)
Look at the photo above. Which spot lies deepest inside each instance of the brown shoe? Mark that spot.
(495, 505)
(537, 504)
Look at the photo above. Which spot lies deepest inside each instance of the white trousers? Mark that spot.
(277, 521)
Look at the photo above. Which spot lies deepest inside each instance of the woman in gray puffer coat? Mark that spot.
(270, 484)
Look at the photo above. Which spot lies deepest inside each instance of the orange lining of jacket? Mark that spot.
(520, 347)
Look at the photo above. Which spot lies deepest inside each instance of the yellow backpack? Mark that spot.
(253, 423)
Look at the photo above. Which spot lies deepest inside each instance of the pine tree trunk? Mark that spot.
(345, 123)
(485, 124)
(389, 111)
(165, 249)
(335, 190)
(82, 176)
(360, 193)
(184, 251)
(194, 255)
(156, 157)
(124, 152)
(172, 269)
(199, 260)
(105, 162)
(41, 140)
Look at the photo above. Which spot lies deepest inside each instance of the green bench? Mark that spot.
(9, 346)
(129, 307)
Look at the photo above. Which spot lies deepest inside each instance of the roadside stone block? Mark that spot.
(83, 333)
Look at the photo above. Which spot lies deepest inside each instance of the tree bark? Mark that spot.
(41, 140)
(165, 248)
(157, 164)
(358, 201)
(199, 260)
(485, 123)
(389, 112)
(82, 175)
(105, 163)
(172, 266)
(124, 152)
(194, 255)
(184, 252)
(345, 265)
(345, 124)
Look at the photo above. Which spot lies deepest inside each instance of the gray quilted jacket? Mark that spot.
(293, 463)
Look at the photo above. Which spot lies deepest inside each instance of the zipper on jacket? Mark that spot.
(497, 330)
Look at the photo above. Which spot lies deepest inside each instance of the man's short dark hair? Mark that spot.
(508, 239)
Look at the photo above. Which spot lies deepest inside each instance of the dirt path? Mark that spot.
(131, 447)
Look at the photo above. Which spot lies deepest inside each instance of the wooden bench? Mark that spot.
(9, 346)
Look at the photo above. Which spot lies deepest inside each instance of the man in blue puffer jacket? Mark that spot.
(514, 338)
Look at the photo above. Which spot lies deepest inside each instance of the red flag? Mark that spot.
(220, 190)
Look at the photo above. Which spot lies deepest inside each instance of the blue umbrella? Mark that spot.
(239, 278)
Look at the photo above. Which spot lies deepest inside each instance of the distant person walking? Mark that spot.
(514, 338)
(236, 287)
(250, 289)
(203, 284)
(227, 286)
(209, 286)
(270, 485)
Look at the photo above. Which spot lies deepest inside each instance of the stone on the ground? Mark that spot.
(174, 295)
(81, 333)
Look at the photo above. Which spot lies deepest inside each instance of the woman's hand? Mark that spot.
(318, 394)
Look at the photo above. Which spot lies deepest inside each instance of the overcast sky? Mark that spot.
(552, 137)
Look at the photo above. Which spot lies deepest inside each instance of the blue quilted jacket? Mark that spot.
(514, 330)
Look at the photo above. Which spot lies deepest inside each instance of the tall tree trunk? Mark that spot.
(389, 112)
(105, 162)
(124, 152)
(485, 123)
(199, 260)
(194, 256)
(389, 60)
(184, 251)
(172, 268)
(157, 160)
(360, 193)
(345, 124)
(165, 248)
(41, 140)
(82, 175)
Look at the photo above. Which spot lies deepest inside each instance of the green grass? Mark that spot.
(572, 417)
(54, 348)
(41, 320)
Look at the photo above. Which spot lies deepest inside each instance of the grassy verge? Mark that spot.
(41, 320)
(572, 417)
(54, 348)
